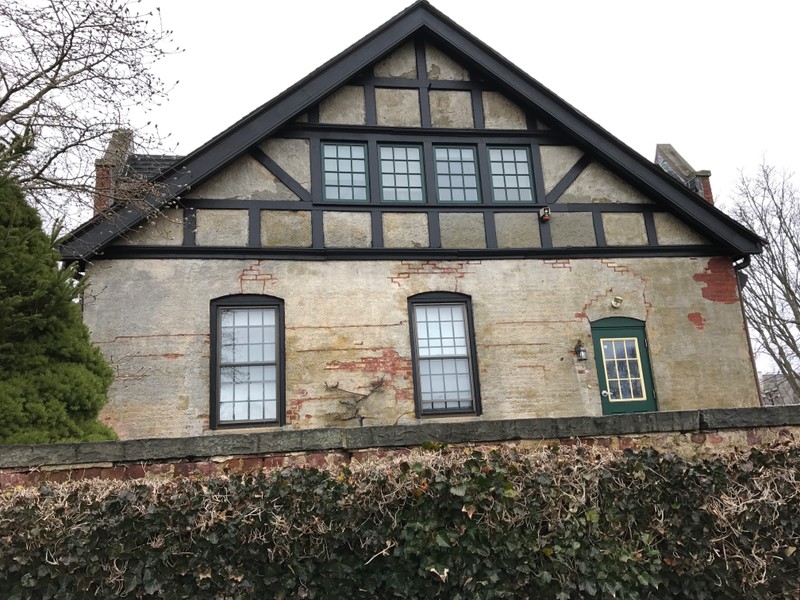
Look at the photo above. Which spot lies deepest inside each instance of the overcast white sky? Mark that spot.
(716, 79)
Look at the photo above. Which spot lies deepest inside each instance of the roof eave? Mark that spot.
(266, 120)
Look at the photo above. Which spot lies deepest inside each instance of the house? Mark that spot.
(776, 390)
(417, 230)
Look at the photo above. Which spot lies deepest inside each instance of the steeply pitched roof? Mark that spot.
(149, 166)
(419, 18)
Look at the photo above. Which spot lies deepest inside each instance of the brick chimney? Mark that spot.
(107, 168)
(673, 163)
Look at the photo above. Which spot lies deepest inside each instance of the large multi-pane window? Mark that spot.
(510, 168)
(344, 172)
(444, 354)
(456, 174)
(247, 359)
(401, 174)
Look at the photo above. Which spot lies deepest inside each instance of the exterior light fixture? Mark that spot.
(544, 213)
(580, 351)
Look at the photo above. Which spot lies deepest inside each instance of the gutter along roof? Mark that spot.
(418, 19)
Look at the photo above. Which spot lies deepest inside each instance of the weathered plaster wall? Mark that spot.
(245, 179)
(596, 184)
(402, 63)
(397, 108)
(344, 107)
(442, 67)
(347, 324)
(164, 229)
(501, 113)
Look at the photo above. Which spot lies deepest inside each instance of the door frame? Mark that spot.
(623, 329)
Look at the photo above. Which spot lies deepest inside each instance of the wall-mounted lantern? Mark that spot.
(580, 351)
(544, 213)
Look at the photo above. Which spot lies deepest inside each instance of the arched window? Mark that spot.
(443, 350)
(623, 366)
(247, 361)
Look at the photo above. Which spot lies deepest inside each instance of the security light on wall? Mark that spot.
(544, 213)
(580, 351)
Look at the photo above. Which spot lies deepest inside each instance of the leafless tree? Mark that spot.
(769, 203)
(70, 72)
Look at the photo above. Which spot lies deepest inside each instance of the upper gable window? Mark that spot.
(510, 167)
(401, 173)
(456, 174)
(409, 173)
(345, 172)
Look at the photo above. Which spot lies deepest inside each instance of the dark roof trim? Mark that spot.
(420, 17)
(246, 253)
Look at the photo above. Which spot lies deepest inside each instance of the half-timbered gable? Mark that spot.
(417, 229)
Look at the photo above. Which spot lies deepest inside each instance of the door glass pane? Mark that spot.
(623, 369)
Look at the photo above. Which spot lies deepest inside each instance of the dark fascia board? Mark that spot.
(419, 18)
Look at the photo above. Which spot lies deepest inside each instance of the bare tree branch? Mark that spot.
(769, 203)
(70, 71)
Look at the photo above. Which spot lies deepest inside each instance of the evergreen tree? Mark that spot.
(53, 382)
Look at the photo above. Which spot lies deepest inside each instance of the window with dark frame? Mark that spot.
(401, 173)
(510, 168)
(444, 354)
(344, 172)
(456, 169)
(247, 361)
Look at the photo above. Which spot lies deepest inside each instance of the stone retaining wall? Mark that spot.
(690, 433)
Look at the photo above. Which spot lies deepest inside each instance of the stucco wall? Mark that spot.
(347, 323)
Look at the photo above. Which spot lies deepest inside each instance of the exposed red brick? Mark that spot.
(274, 462)
(720, 281)
(135, 471)
(558, 263)
(432, 267)
(184, 468)
(14, 479)
(57, 476)
(698, 438)
(753, 436)
(118, 472)
(253, 273)
(318, 460)
(251, 463)
(705, 183)
(714, 438)
(104, 186)
(159, 469)
(388, 364)
(697, 320)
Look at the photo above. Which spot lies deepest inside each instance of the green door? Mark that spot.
(623, 366)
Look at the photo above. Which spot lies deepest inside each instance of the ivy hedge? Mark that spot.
(560, 523)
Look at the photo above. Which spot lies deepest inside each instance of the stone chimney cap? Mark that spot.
(673, 163)
(117, 150)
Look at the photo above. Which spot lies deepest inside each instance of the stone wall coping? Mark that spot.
(392, 436)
